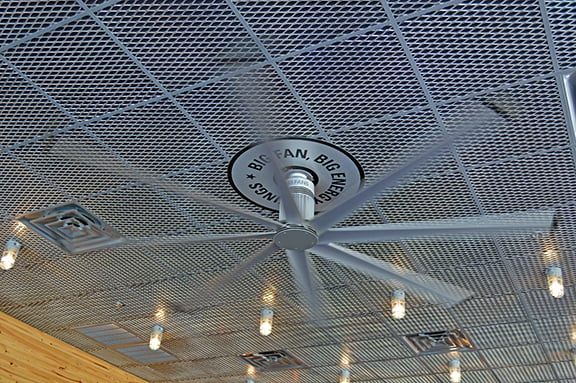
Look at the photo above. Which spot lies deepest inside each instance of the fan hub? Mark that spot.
(296, 238)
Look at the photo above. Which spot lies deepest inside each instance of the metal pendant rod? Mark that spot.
(301, 189)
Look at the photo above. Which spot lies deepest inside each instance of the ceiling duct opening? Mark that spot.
(109, 334)
(439, 341)
(272, 361)
(72, 228)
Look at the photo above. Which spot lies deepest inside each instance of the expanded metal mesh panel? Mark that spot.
(302, 335)
(65, 159)
(565, 370)
(403, 8)
(322, 355)
(394, 368)
(98, 102)
(358, 371)
(162, 132)
(145, 373)
(20, 19)
(490, 310)
(560, 13)
(359, 327)
(29, 114)
(204, 35)
(515, 356)
(56, 314)
(555, 328)
(152, 215)
(379, 349)
(510, 51)
(534, 373)
(509, 186)
(542, 304)
(247, 108)
(192, 348)
(62, 61)
(287, 26)
(424, 319)
(71, 276)
(468, 360)
(129, 267)
(23, 190)
(529, 118)
(385, 145)
(503, 335)
(217, 187)
(434, 198)
(353, 78)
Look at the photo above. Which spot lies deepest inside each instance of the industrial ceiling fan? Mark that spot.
(315, 185)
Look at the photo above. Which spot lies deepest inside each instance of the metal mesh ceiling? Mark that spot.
(97, 94)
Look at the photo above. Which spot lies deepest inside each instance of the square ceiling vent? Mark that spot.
(272, 361)
(72, 228)
(109, 334)
(439, 341)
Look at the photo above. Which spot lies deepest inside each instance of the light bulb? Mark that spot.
(455, 371)
(9, 256)
(249, 380)
(266, 317)
(555, 283)
(156, 337)
(345, 376)
(398, 304)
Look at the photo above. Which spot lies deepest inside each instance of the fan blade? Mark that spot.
(105, 161)
(255, 98)
(184, 239)
(242, 268)
(488, 224)
(329, 218)
(201, 197)
(304, 273)
(445, 292)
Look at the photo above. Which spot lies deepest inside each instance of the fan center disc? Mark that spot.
(335, 173)
(296, 238)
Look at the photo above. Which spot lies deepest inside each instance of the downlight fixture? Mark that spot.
(266, 319)
(10, 254)
(398, 304)
(555, 282)
(345, 376)
(156, 337)
(455, 371)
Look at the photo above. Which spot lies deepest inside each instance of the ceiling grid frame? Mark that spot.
(209, 81)
(54, 26)
(317, 374)
(151, 77)
(559, 77)
(277, 69)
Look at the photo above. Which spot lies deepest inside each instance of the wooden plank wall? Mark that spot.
(28, 355)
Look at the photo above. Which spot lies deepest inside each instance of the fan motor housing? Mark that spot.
(296, 238)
